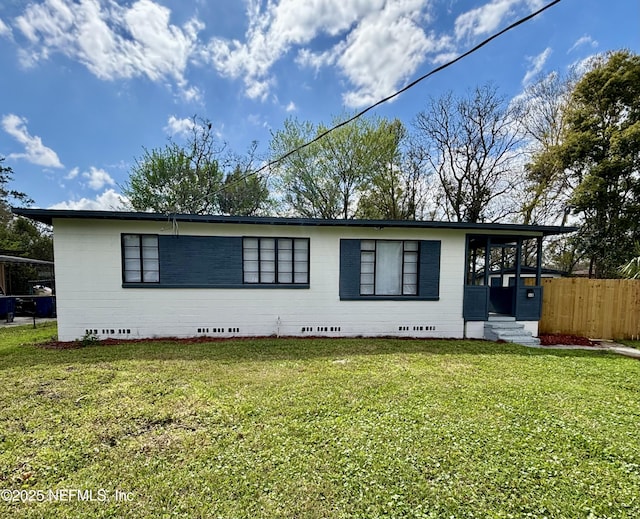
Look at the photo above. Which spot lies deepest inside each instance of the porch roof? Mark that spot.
(6, 259)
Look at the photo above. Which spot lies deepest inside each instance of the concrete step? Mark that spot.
(517, 332)
(525, 340)
(520, 339)
(507, 329)
(503, 325)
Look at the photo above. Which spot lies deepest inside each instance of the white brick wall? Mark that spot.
(90, 294)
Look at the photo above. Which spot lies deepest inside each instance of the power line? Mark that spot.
(394, 95)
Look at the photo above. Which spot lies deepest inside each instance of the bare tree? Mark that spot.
(473, 145)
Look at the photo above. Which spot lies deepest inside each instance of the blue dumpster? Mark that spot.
(45, 306)
(7, 306)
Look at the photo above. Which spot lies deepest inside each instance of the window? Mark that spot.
(140, 263)
(388, 268)
(275, 260)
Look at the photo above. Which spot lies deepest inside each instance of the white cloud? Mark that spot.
(275, 30)
(72, 174)
(381, 43)
(35, 152)
(191, 94)
(5, 30)
(537, 64)
(112, 41)
(109, 200)
(291, 107)
(98, 178)
(180, 127)
(487, 18)
(316, 60)
(585, 40)
(384, 50)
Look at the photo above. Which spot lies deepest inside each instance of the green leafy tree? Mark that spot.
(19, 236)
(541, 110)
(600, 152)
(199, 177)
(352, 171)
(302, 182)
(243, 193)
(176, 178)
(545, 196)
(631, 269)
(7, 195)
(397, 188)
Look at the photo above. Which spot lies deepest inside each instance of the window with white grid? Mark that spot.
(275, 261)
(388, 268)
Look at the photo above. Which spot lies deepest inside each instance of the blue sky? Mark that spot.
(86, 84)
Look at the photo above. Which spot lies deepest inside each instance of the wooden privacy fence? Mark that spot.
(595, 308)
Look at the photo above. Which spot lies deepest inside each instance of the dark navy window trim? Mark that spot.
(408, 281)
(183, 261)
(428, 273)
(140, 259)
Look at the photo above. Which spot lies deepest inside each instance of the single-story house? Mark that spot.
(129, 275)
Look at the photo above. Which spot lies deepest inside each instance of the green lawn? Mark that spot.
(317, 429)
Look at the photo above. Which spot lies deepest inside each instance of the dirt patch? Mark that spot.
(71, 345)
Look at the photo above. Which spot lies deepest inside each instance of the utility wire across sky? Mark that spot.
(359, 114)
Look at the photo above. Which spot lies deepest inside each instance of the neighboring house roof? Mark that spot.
(46, 216)
(529, 270)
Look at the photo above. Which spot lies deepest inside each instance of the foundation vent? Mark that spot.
(417, 328)
(214, 330)
(310, 329)
(328, 329)
(107, 331)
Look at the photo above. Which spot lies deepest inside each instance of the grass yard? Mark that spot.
(317, 429)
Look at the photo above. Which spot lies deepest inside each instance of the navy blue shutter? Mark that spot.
(206, 261)
(429, 269)
(476, 303)
(349, 269)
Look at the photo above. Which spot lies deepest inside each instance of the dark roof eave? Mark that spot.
(46, 216)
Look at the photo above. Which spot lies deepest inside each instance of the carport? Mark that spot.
(39, 305)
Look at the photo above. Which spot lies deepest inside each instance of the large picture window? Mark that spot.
(275, 260)
(388, 268)
(140, 258)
